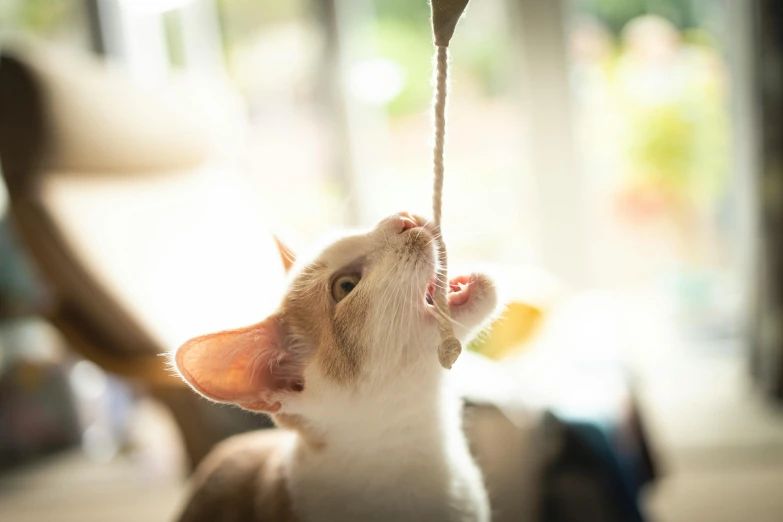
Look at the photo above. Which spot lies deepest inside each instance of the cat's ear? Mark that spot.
(286, 254)
(250, 367)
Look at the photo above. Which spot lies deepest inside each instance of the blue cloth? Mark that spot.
(597, 470)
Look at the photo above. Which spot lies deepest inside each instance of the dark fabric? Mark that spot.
(23, 137)
(584, 481)
(21, 291)
(37, 412)
(766, 348)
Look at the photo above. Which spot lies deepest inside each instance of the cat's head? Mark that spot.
(356, 318)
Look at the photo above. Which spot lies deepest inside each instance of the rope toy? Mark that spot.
(445, 15)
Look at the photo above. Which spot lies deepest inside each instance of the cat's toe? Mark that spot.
(473, 300)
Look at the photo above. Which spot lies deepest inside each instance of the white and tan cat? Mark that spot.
(349, 364)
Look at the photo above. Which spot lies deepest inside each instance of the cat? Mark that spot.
(348, 366)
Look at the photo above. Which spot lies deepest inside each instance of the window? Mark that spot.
(591, 137)
(652, 83)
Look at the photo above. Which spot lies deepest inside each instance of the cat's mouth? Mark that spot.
(458, 291)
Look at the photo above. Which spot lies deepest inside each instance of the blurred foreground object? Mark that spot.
(532, 292)
(511, 331)
(141, 234)
(766, 320)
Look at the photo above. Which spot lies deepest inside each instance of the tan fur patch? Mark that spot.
(310, 436)
(342, 356)
(310, 312)
(274, 500)
(243, 480)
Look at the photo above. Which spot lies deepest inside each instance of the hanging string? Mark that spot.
(449, 348)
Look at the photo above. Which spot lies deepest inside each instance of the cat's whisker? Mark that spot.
(382, 314)
(395, 307)
(451, 319)
(445, 288)
(435, 237)
(391, 303)
(431, 241)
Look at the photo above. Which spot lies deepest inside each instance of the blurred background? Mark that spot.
(616, 162)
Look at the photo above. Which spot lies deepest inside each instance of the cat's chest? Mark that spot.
(319, 502)
(386, 488)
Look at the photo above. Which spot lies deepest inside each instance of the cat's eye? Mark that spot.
(343, 285)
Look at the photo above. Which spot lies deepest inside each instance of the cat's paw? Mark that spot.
(473, 300)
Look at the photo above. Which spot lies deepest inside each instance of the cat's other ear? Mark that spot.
(250, 367)
(286, 254)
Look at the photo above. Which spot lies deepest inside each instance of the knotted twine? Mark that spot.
(445, 15)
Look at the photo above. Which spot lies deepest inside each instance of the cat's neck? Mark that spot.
(418, 414)
(404, 449)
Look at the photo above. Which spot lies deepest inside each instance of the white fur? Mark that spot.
(390, 444)
(395, 448)
(400, 457)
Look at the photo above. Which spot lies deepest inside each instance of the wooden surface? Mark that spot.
(72, 488)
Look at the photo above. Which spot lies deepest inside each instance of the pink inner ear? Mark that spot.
(286, 254)
(248, 366)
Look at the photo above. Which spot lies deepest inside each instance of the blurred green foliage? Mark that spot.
(675, 145)
(172, 28)
(683, 146)
(403, 42)
(402, 33)
(39, 17)
(616, 13)
(662, 143)
(240, 20)
(413, 11)
(399, 30)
